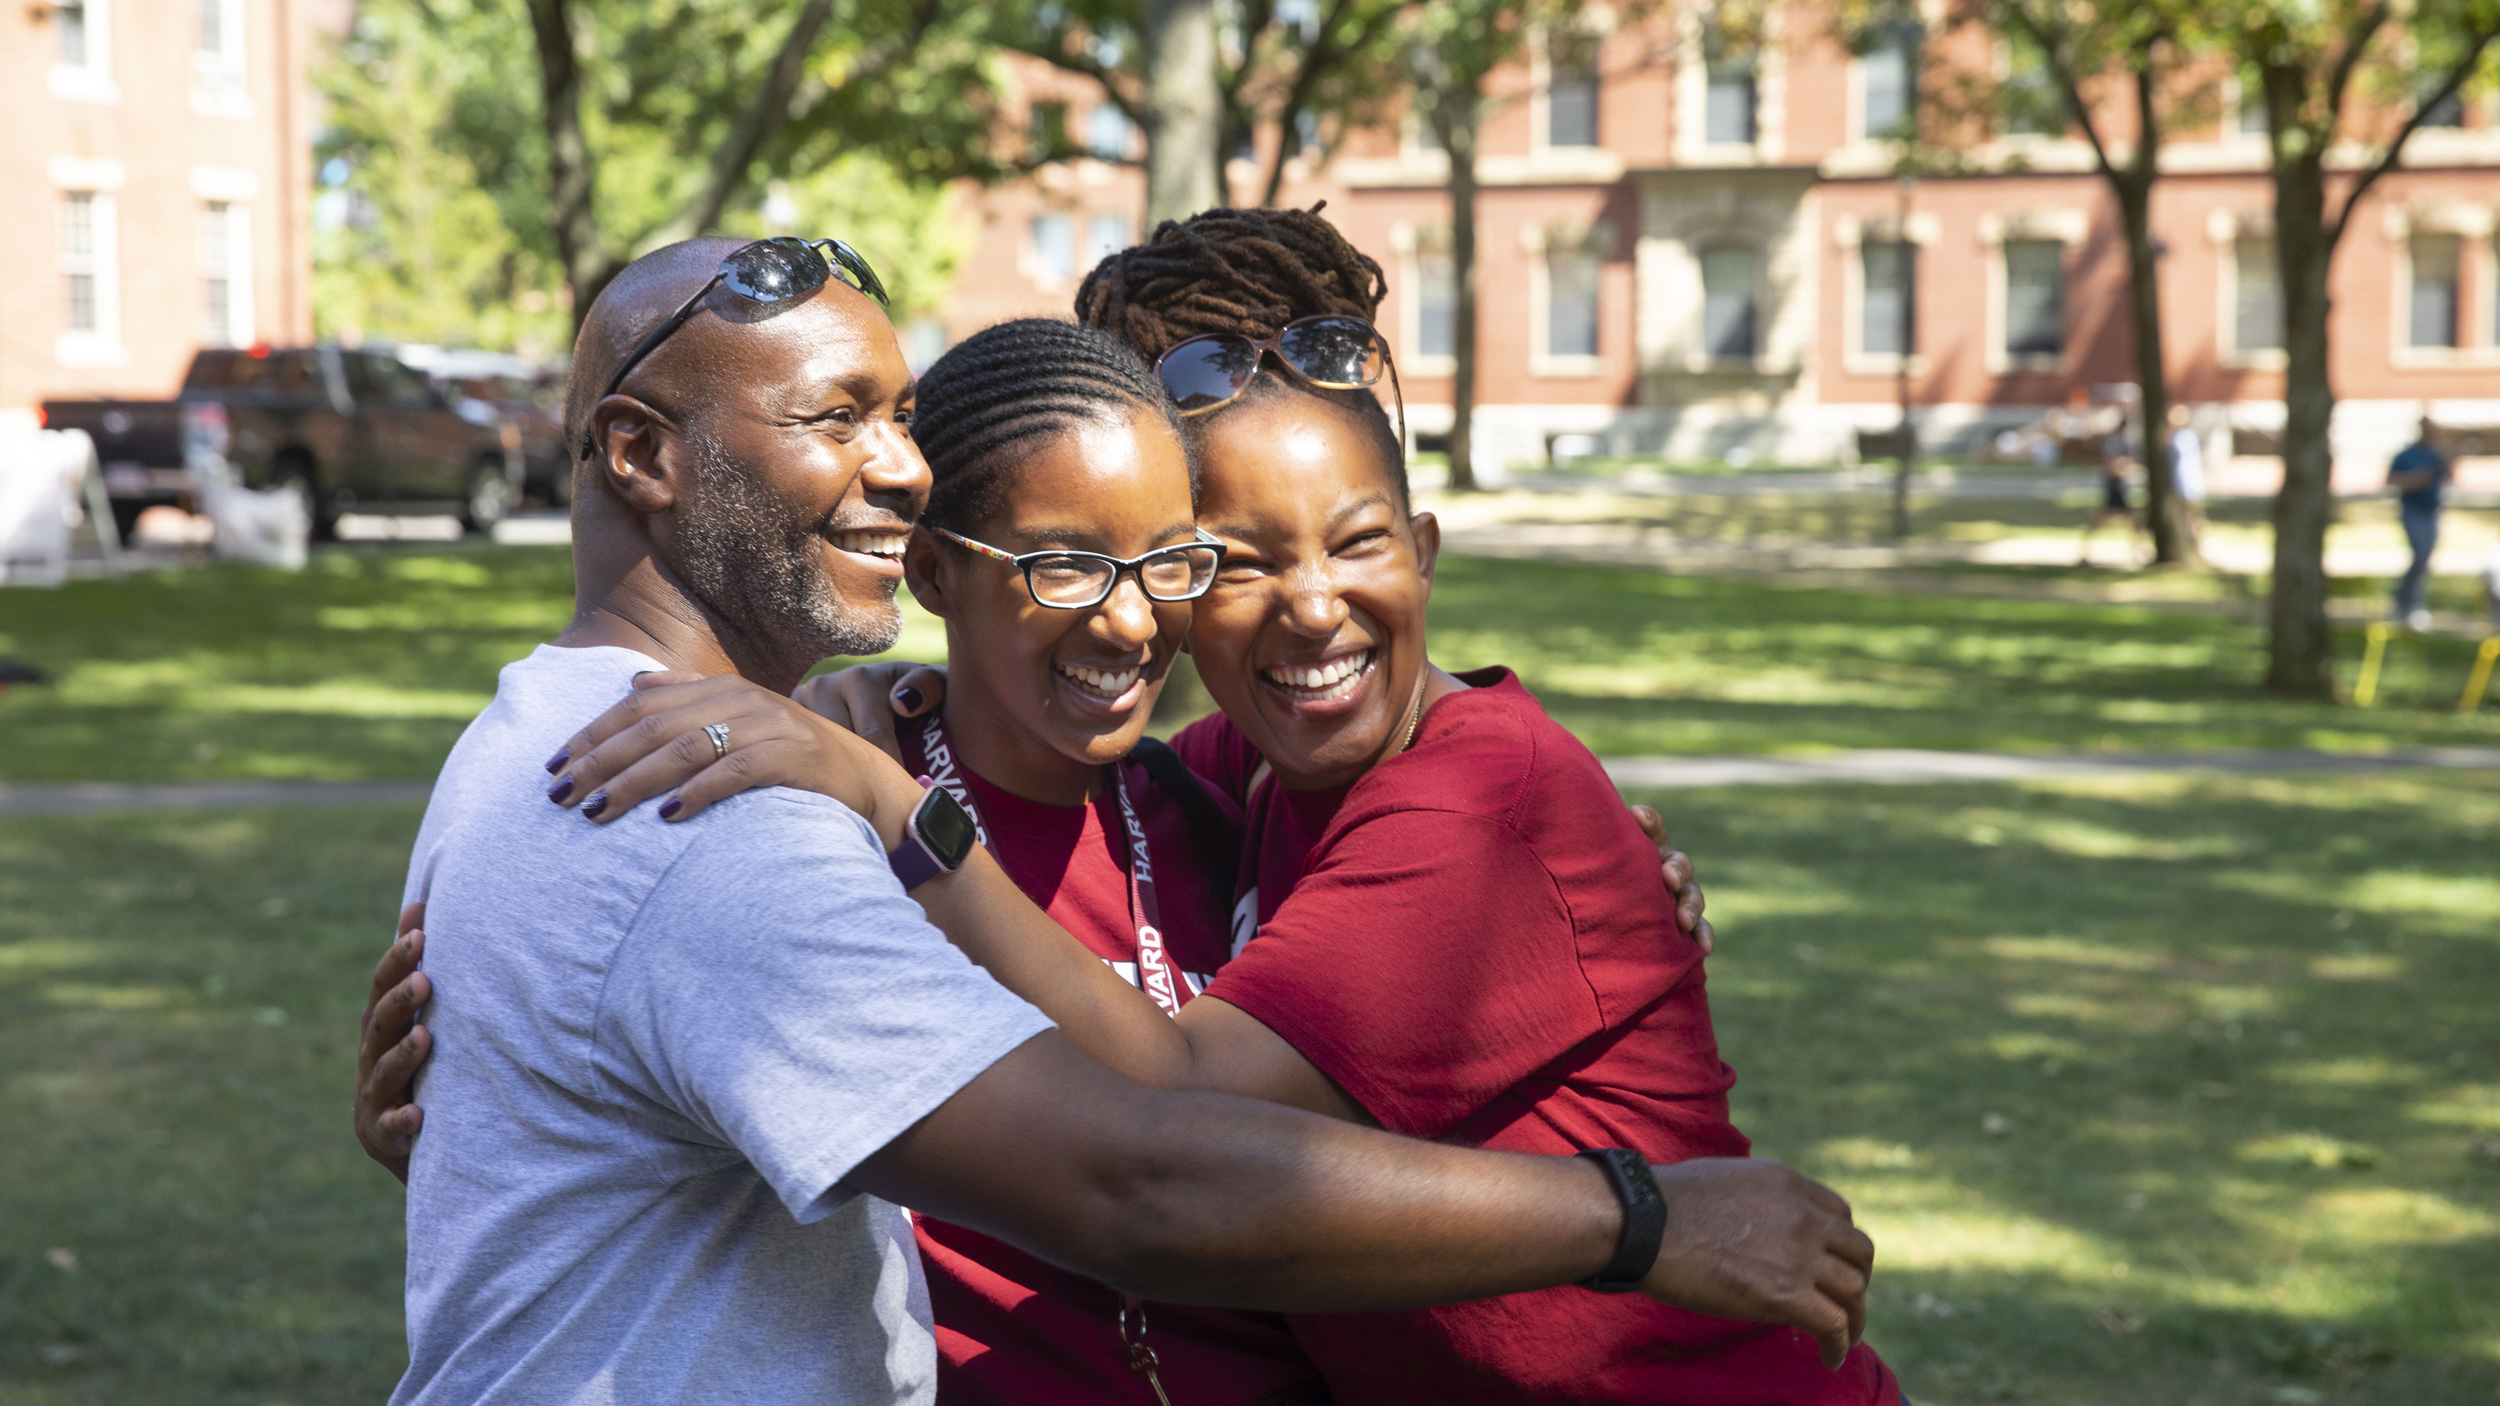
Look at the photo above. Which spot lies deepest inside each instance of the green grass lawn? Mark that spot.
(370, 663)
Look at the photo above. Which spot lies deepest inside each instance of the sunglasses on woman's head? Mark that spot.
(1066, 580)
(765, 272)
(1331, 351)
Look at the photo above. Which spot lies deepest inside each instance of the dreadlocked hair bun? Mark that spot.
(1003, 389)
(1245, 271)
(1249, 273)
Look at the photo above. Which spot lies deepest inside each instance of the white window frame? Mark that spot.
(240, 324)
(102, 346)
(92, 80)
(2478, 308)
(218, 78)
(2063, 227)
(1410, 243)
(1029, 252)
(2226, 230)
(1851, 234)
(1541, 243)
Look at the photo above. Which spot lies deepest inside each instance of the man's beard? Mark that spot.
(761, 569)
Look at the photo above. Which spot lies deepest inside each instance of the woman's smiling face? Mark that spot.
(1312, 639)
(1080, 683)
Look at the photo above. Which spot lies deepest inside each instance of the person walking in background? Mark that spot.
(2187, 474)
(2117, 468)
(2419, 474)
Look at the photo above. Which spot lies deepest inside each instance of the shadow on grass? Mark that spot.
(2150, 1091)
(1642, 662)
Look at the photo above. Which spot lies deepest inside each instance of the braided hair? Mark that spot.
(1007, 386)
(1248, 272)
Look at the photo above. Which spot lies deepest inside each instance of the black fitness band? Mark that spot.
(1644, 1220)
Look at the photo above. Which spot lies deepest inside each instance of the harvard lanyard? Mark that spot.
(1155, 975)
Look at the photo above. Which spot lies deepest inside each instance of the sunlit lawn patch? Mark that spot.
(2206, 1115)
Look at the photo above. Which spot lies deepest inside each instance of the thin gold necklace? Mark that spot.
(1414, 716)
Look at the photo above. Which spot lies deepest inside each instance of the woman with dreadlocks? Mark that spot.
(1445, 923)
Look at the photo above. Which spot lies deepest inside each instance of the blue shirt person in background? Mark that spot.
(2418, 474)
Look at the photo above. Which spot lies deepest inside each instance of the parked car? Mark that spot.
(514, 390)
(357, 430)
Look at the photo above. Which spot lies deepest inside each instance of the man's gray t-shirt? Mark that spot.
(658, 1050)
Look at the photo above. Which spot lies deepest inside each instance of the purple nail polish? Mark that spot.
(556, 762)
(598, 802)
(670, 807)
(562, 789)
(908, 697)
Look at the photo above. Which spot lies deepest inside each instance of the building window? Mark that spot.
(2257, 297)
(1047, 129)
(2035, 297)
(213, 27)
(1109, 135)
(2434, 302)
(2251, 116)
(1054, 248)
(1436, 303)
(1728, 109)
(1887, 305)
(226, 273)
(2447, 112)
(1890, 70)
(2032, 105)
(74, 33)
(79, 262)
(1728, 321)
(1571, 91)
(1105, 235)
(1571, 303)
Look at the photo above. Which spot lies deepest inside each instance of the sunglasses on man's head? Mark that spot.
(1331, 351)
(765, 272)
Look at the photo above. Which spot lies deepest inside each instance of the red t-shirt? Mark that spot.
(1012, 1328)
(1474, 940)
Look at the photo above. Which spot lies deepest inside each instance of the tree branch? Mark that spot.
(764, 116)
(2422, 109)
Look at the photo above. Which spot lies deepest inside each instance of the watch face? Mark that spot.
(942, 824)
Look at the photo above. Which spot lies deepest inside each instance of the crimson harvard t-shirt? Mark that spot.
(1474, 940)
(1013, 1328)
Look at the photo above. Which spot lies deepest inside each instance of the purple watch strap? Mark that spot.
(912, 863)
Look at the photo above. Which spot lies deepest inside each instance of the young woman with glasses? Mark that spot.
(1454, 932)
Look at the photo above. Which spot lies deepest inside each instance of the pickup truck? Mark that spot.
(356, 430)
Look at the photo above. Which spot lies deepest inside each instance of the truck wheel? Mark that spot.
(297, 470)
(489, 497)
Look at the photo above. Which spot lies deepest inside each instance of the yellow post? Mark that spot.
(2365, 690)
(2484, 658)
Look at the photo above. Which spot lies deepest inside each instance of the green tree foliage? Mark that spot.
(486, 202)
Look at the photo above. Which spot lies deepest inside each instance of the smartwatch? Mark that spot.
(936, 840)
(1644, 1220)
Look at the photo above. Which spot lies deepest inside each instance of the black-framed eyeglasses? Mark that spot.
(1331, 351)
(1066, 580)
(765, 272)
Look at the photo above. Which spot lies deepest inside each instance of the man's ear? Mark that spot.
(921, 568)
(629, 443)
(1427, 530)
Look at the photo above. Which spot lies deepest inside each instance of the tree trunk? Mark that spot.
(2300, 655)
(572, 173)
(1457, 118)
(1182, 120)
(2174, 543)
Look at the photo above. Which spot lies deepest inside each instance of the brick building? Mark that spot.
(1700, 255)
(153, 189)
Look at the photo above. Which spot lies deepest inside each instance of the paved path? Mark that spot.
(1905, 768)
(1872, 767)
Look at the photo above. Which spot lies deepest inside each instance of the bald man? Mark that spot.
(687, 1074)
